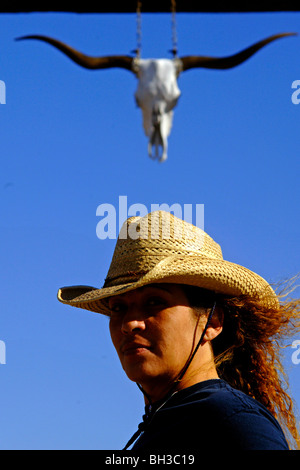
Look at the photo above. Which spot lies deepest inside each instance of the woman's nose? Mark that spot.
(132, 322)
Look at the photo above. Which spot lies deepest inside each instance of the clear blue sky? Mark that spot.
(72, 139)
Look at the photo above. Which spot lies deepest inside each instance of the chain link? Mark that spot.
(139, 28)
(174, 29)
(174, 49)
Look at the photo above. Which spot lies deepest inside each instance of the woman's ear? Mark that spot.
(215, 325)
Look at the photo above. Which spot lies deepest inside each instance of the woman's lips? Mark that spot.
(133, 348)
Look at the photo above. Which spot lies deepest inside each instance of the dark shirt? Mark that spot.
(210, 415)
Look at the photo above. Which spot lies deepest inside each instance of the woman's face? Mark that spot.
(152, 329)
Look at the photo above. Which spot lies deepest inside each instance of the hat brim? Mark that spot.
(220, 276)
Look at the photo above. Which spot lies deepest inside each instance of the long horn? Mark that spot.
(189, 62)
(83, 60)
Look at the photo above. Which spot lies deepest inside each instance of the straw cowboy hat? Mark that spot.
(161, 248)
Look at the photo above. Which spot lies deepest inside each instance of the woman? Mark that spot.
(199, 335)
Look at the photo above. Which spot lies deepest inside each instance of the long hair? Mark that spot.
(248, 352)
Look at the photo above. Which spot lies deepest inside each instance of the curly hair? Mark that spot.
(248, 352)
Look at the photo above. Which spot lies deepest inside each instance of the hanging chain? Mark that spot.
(139, 28)
(174, 32)
(174, 49)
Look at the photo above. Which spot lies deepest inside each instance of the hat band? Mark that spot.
(123, 278)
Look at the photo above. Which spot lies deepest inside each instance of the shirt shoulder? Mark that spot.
(222, 400)
(241, 419)
(213, 413)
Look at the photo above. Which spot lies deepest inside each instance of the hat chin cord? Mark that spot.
(147, 418)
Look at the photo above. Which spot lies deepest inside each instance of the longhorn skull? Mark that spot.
(157, 92)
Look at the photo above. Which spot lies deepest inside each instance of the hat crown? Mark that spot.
(162, 248)
(144, 242)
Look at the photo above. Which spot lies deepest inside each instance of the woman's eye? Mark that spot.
(116, 307)
(155, 302)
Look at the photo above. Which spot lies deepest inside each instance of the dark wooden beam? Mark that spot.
(148, 6)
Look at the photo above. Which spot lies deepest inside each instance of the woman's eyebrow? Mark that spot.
(162, 287)
(150, 287)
